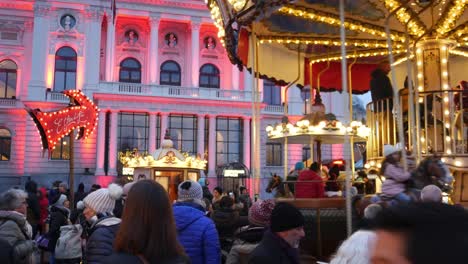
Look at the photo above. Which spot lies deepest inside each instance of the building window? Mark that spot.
(209, 76)
(8, 79)
(170, 73)
(274, 154)
(130, 71)
(5, 144)
(158, 132)
(62, 149)
(305, 153)
(65, 69)
(271, 93)
(229, 140)
(183, 129)
(133, 131)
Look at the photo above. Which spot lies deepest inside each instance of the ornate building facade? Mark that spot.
(151, 66)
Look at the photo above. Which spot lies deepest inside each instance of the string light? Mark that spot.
(458, 52)
(415, 26)
(325, 41)
(362, 54)
(448, 20)
(330, 19)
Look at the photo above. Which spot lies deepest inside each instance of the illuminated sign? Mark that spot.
(52, 126)
(233, 173)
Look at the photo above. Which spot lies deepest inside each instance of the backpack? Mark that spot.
(69, 243)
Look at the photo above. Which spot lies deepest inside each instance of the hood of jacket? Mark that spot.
(186, 215)
(251, 234)
(16, 217)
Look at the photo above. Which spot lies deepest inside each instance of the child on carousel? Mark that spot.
(395, 176)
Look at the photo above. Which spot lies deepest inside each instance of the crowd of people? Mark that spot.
(138, 223)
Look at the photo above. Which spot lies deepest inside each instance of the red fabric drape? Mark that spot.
(243, 46)
(330, 80)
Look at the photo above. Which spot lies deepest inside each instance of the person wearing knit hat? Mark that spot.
(104, 225)
(431, 193)
(280, 244)
(260, 212)
(195, 231)
(249, 237)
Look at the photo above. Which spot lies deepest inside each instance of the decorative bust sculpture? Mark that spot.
(132, 37)
(67, 22)
(210, 43)
(171, 40)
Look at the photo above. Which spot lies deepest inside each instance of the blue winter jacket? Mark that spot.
(100, 242)
(197, 234)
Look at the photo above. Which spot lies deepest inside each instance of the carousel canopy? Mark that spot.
(311, 27)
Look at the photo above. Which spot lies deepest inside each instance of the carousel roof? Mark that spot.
(284, 27)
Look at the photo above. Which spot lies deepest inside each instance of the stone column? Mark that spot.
(110, 47)
(40, 49)
(235, 77)
(195, 51)
(92, 50)
(212, 147)
(113, 143)
(152, 133)
(153, 49)
(201, 135)
(248, 80)
(100, 143)
(164, 125)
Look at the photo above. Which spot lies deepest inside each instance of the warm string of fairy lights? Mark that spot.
(330, 19)
(237, 4)
(325, 41)
(404, 14)
(217, 20)
(356, 55)
(448, 20)
(459, 52)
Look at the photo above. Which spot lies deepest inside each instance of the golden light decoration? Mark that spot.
(349, 24)
(332, 127)
(362, 54)
(459, 52)
(135, 159)
(218, 20)
(367, 43)
(453, 11)
(415, 26)
(238, 4)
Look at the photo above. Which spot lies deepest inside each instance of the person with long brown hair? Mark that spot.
(147, 233)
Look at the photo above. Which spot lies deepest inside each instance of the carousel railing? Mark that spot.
(441, 120)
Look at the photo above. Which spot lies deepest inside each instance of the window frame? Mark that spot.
(3, 148)
(61, 154)
(66, 71)
(130, 70)
(175, 128)
(216, 74)
(7, 72)
(170, 73)
(133, 140)
(270, 150)
(240, 141)
(271, 93)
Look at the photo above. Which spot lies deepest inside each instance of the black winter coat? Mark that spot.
(273, 250)
(58, 218)
(101, 239)
(381, 88)
(124, 258)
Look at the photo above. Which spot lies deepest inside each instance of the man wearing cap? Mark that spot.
(195, 231)
(280, 244)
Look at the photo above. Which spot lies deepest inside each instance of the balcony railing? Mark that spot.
(8, 102)
(174, 91)
(274, 109)
(58, 97)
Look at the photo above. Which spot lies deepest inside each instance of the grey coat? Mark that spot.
(14, 231)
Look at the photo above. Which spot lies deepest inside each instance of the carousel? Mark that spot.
(167, 166)
(334, 45)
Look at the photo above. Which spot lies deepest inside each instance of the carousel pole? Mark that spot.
(344, 84)
(350, 91)
(396, 98)
(254, 147)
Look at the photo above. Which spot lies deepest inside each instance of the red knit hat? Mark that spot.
(260, 212)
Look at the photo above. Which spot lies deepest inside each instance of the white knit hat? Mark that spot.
(390, 149)
(103, 200)
(190, 190)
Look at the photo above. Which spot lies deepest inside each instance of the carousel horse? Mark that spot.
(276, 188)
(431, 170)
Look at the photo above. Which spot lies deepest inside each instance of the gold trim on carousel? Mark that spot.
(458, 52)
(331, 19)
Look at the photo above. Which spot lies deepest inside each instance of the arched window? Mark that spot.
(65, 69)
(8, 79)
(209, 76)
(130, 71)
(170, 73)
(5, 144)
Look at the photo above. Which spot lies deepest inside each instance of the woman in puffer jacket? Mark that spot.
(98, 212)
(59, 215)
